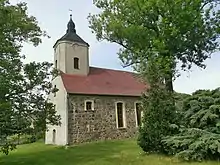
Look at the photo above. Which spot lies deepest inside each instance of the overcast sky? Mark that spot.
(53, 16)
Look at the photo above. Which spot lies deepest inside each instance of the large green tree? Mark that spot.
(156, 35)
(23, 87)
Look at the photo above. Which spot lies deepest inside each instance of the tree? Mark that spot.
(23, 87)
(199, 134)
(168, 32)
(159, 115)
(176, 31)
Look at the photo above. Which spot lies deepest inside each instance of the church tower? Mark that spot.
(71, 52)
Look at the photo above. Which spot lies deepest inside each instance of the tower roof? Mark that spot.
(71, 34)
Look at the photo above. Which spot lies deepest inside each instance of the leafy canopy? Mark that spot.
(186, 31)
(23, 87)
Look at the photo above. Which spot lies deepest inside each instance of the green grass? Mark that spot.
(101, 153)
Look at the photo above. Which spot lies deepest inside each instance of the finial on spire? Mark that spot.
(70, 10)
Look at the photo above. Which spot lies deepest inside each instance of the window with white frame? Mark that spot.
(120, 115)
(89, 105)
(138, 113)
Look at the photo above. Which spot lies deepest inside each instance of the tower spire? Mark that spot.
(71, 34)
(71, 25)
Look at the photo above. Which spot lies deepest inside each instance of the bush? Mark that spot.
(32, 139)
(22, 139)
(158, 120)
(199, 136)
(194, 144)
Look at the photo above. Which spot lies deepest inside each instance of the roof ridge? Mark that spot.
(93, 67)
(112, 69)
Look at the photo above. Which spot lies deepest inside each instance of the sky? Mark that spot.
(53, 16)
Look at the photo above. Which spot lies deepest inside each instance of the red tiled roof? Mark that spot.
(104, 82)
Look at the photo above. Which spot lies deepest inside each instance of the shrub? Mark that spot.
(199, 135)
(32, 139)
(158, 120)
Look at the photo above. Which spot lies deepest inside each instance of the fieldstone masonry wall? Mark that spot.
(100, 124)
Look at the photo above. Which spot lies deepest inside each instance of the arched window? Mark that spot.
(120, 115)
(138, 114)
(76, 63)
(54, 90)
(56, 64)
(54, 136)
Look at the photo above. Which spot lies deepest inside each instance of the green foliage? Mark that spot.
(22, 139)
(24, 88)
(199, 134)
(194, 144)
(158, 120)
(7, 147)
(159, 111)
(186, 31)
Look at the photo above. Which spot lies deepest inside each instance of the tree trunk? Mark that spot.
(169, 83)
(169, 66)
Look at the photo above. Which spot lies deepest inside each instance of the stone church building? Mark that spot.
(94, 103)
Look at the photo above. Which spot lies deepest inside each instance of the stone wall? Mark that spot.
(100, 124)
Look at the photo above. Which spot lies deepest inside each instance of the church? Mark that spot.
(94, 103)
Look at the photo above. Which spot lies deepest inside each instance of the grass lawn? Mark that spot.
(101, 153)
